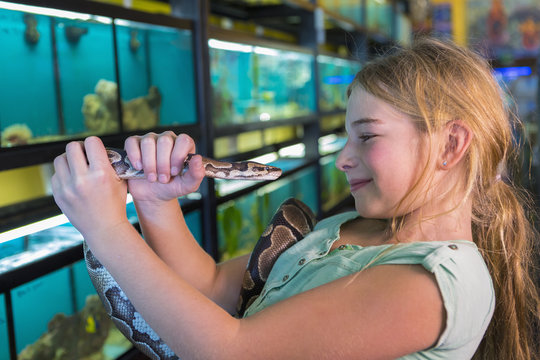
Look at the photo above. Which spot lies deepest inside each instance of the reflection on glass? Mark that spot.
(156, 75)
(335, 75)
(252, 83)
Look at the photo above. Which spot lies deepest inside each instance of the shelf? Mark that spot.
(103, 9)
(285, 16)
(338, 21)
(226, 130)
(43, 257)
(27, 155)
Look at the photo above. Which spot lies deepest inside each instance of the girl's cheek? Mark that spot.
(376, 157)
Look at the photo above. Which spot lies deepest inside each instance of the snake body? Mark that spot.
(242, 170)
(292, 221)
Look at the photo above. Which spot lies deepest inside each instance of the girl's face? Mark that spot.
(382, 158)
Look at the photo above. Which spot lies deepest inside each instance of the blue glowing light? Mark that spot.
(513, 72)
(338, 79)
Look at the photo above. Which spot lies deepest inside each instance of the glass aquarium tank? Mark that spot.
(155, 86)
(242, 221)
(403, 29)
(335, 75)
(334, 185)
(64, 64)
(54, 58)
(251, 140)
(352, 10)
(379, 16)
(59, 315)
(333, 123)
(4, 345)
(253, 83)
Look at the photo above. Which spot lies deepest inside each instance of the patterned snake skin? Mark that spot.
(292, 221)
(290, 224)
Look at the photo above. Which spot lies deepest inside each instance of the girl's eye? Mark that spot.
(366, 137)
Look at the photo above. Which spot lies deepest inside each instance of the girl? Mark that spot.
(433, 264)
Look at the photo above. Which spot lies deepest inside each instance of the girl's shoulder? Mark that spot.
(465, 285)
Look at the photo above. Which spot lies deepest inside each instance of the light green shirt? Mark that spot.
(461, 273)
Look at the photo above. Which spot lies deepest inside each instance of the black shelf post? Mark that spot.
(311, 34)
(198, 12)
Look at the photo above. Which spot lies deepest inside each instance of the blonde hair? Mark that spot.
(433, 82)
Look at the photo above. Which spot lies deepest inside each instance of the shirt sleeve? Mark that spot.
(468, 295)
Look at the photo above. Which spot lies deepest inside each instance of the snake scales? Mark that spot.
(291, 222)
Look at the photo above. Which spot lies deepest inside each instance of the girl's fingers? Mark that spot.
(61, 167)
(182, 146)
(165, 143)
(148, 153)
(76, 158)
(132, 145)
(160, 156)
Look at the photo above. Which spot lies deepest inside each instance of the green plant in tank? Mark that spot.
(230, 221)
(259, 213)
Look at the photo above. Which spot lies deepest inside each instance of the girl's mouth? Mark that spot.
(357, 184)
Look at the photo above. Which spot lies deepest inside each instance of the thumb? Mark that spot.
(195, 173)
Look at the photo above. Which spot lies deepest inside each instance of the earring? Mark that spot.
(445, 163)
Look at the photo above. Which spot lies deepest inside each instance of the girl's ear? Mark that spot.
(457, 137)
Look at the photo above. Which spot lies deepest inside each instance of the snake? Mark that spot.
(240, 170)
(292, 221)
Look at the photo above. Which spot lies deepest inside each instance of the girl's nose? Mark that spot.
(344, 160)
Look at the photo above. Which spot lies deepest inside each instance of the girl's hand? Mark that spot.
(86, 188)
(162, 157)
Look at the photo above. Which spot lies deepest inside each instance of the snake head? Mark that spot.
(272, 172)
